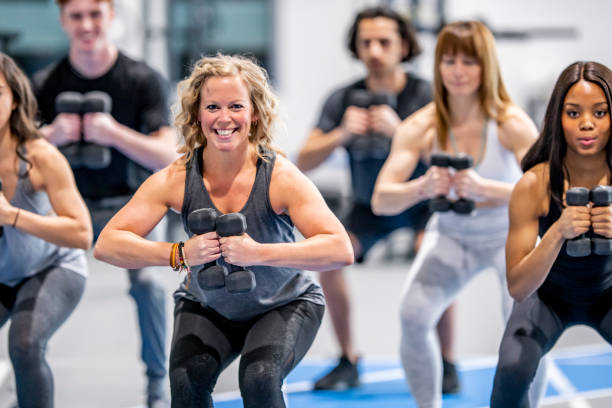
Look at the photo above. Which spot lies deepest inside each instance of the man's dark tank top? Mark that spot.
(574, 279)
(275, 286)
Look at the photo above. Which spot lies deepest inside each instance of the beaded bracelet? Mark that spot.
(183, 265)
(182, 257)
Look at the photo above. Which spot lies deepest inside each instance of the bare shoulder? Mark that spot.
(516, 122)
(288, 185)
(285, 172)
(417, 129)
(516, 130)
(167, 184)
(532, 189)
(174, 172)
(42, 153)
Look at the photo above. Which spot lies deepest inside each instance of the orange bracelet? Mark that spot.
(173, 252)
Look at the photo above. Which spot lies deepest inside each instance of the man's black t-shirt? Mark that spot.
(364, 170)
(139, 101)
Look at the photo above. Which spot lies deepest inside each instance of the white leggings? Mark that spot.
(442, 268)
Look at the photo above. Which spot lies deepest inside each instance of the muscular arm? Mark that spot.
(153, 151)
(319, 146)
(122, 243)
(70, 226)
(326, 245)
(528, 265)
(392, 193)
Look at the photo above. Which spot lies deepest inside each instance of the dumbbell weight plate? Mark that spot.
(72, 152)
(380, 146)
(231, 224)
(242, 281)
(602, 246)
(578, 247)
(212, 277)
(94, 156)
(439, 204)
(440, 160)
(463, 206)
(202, 220)
(461, 162)
(359, 147)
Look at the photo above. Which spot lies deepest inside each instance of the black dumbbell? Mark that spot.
(84, 154)
(239, 279)
(70, 102)
(359, 146)
(580, 245)
(372, 145)
(380, 145)
(211, 275)
(441, 203)
(1, 227)
(462, 205)
(93, 155)
(601, 196)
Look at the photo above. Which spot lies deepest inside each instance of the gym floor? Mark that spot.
(95, 354)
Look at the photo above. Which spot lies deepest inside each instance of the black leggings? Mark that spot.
(271, 345)
(37, 307)
(533, 328)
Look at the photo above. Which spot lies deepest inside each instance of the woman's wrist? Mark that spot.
(16, 217)
(420, 188)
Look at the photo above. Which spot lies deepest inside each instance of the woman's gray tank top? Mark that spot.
(23, 255)
(275, 286)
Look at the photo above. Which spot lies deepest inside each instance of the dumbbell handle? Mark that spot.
(229, 225)
(581, 245)
(239, 279)
(601, 196)
(441, 203)
(211, 275)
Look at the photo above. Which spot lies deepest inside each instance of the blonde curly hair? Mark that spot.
(254, 77)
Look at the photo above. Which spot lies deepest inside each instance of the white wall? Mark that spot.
(128, 28)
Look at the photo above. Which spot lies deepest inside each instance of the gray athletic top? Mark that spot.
(23, 255)
(275, 286)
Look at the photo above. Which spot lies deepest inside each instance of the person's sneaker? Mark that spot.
(450, 379)
(345, 375)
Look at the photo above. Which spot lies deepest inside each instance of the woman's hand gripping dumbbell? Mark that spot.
(598, 218)
(231, 229)
(442, 181)
(200, 222)
(217, 275)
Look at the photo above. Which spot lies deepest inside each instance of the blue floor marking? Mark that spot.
(586, 371)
